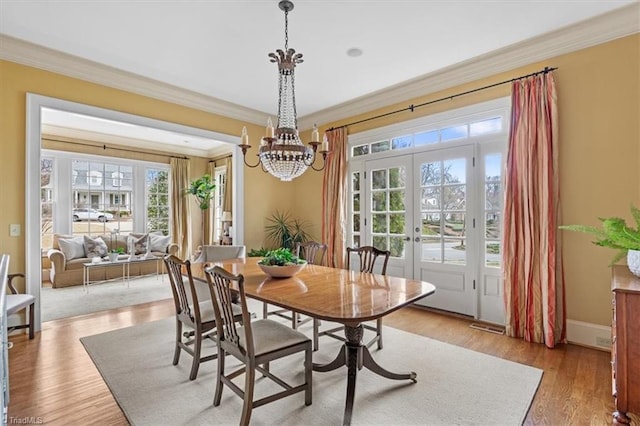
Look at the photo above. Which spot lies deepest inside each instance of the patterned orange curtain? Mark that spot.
(533, 274)
(334, 198)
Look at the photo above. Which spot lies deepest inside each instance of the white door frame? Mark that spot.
(35, 103)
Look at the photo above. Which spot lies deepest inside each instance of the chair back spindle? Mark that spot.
(368, 256)
(311, 251)
(181, 299)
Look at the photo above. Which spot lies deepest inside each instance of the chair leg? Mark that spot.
(31, 322)
(219, 374)
(250, 373)
(316, 326)
(294, 320)
(308, 366)
(197, 348)
(379, 332)
(265, 313)
(176, 352)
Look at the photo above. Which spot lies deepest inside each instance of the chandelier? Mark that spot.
(281, 152)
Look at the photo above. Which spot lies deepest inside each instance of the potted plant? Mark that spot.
(281, 263)
(286, 232)
(203, 189)
(615, 234)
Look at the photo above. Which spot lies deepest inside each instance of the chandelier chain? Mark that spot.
(286, 30)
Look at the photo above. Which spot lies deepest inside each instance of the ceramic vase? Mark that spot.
(633, 262)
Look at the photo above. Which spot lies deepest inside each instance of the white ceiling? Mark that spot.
(218, 48)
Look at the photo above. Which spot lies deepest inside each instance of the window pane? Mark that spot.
(492, 226)
(356, 202)
(379, 223)
(379, 179)
(431, 224)
(431, 249)
(492, 125)
(396, 201)
(356, 223)
(431, 173)
(430, 198)
(397, 177)
(493, 254)
(356, 241)
(401, 142)
(455, 170)
(355, 181)
(397, 247)
(379, 201)
(380, 146)
(455, 251)
(396, 223)
(360, 150)
(380, 242)
(454, 224)
(453, 197)
(456, 132)
(426, 138)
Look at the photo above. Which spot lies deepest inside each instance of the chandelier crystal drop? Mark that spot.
(281, 152)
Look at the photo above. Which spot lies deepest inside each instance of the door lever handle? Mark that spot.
(407, 238)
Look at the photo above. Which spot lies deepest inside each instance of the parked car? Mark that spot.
(91, 214)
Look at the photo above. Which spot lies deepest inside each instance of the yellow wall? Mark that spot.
(599, 120)
(598, 92)
(263, 193)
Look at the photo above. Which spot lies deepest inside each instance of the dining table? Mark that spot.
(337, 295)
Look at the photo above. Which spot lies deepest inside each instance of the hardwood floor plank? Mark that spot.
(53, 378)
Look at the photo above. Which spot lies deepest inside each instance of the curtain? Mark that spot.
(533, 274)
(334, 198)
(181, 223)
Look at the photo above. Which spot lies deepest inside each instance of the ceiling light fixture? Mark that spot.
(281, 152)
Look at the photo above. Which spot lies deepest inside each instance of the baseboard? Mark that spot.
(590, 335)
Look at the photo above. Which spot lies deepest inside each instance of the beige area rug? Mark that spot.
(455, 385)
(67, 302)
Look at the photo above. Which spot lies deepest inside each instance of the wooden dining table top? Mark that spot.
(339, 295)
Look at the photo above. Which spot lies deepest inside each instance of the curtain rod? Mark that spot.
(213, 160)
(104, 147)
(413, 107)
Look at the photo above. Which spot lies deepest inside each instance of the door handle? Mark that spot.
(417, 239)
(407, 238)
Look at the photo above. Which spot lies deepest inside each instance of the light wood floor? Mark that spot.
(53, 380)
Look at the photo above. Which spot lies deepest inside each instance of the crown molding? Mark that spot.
(610, 26)
(601, 29)
(33, 55)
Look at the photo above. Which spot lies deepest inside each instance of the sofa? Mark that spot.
(70, 252)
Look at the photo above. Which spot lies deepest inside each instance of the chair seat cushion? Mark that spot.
(207, 313)
(269, 336)
(18, 302)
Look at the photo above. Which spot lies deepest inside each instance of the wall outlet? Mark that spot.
(14, 230)
(605, 342)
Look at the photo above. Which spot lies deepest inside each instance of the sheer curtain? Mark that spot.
(533, 274)
(334, 198)
(180, 223)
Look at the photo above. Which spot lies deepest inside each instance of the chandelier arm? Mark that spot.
(324, 162)
(244, 158)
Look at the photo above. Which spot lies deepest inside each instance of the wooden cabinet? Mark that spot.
(625, 338)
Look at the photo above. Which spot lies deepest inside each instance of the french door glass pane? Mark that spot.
(397, 223)
(431, 249)
(356, 202)
(397, 178)
(379, 201)
(431, 198)
(379, 223)
(380, 242)
(431, 173)
(431, 224)
(396, 247)
(396, 201)
(493, 254)
(355, 181)
(356, 222)
(379, 179)
(455, 251)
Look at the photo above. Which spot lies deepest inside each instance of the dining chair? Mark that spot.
(17, 302)
(369, 257)
(255, 344)
(314, 253)
(193, 313)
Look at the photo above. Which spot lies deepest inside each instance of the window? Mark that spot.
(47, 168)
(220, 179)
(116, 179)
(157, 200)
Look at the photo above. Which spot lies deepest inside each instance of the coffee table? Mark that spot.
(126, 268)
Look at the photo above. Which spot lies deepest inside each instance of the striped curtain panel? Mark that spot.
(334, 198)
(180, 223)
(533, 274)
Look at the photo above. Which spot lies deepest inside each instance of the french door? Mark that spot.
(438, 212)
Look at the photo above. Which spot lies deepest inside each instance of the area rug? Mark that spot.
(71, 301)
(455, 385)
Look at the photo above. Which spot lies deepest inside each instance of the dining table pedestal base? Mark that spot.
(355, 355)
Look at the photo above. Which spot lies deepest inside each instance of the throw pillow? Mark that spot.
(95, 247)
(159, 243)
(139, 244)
(73, 248)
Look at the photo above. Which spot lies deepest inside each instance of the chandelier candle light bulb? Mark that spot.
(281, 153)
